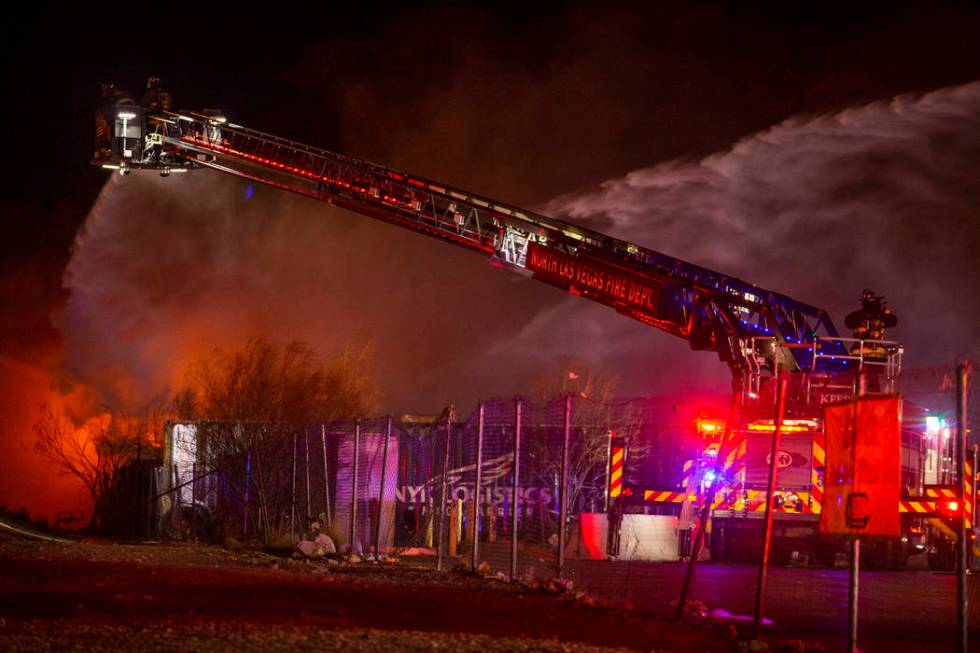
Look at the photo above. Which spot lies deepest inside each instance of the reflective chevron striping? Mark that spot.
(816, 489)
(970, 494)
(917, 506)
(616, 472)
(657, 496)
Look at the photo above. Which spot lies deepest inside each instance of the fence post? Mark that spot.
(441, 547)
(326, 477)
(963, 542)
(477, 491)
(306, 440)
(515, 490)
(175, 508)
(381, 490)
(248, 483)
(853, 588)
(292, 514)
(453, 526)
(352, 529)
(563, 488)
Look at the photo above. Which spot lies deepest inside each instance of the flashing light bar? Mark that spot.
(788, 426)
(709, 425)
(110, 166)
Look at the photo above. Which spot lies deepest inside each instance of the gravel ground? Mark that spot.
(98, 596)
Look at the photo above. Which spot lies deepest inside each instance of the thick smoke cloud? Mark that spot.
(164, 271)
(818, 207)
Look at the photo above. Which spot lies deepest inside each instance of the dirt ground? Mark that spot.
(98, 596)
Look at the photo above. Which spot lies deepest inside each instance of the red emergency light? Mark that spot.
(711, 429)
(949, 508)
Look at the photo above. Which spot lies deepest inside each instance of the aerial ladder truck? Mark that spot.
(757, 332)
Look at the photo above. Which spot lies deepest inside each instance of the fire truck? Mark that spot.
(930, 504)
(757, 333)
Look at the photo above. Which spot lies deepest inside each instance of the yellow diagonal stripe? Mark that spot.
(818, 453)
(617, 456)
(938, 523)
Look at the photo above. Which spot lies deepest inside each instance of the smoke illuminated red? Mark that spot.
(28, 480)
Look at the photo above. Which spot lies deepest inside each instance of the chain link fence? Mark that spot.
(536, 491)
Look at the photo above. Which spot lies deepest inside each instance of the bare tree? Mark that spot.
(262, 395)
(265, 382)
(596, 415)
(95, 451)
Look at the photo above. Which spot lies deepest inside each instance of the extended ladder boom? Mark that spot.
(750, 328)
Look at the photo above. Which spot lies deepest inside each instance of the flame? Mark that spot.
(29, 481)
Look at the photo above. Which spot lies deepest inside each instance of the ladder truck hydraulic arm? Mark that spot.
(755, 331)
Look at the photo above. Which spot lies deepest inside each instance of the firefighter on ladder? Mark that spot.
(869, 323)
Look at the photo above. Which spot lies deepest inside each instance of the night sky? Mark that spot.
(522, 104)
